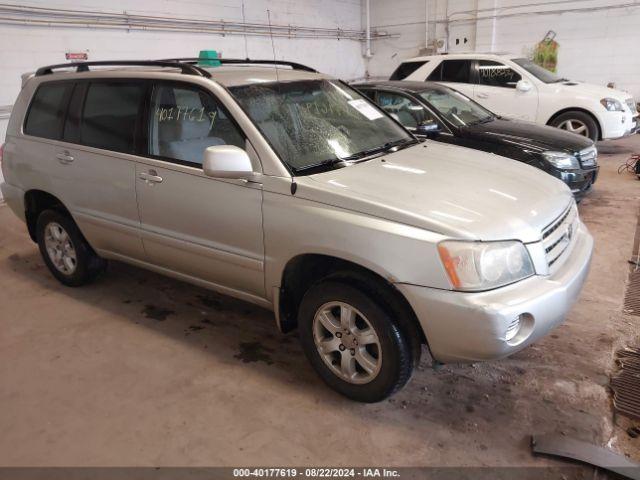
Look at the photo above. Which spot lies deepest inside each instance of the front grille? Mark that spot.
(588, 157)
(632, 105)
(559, 236)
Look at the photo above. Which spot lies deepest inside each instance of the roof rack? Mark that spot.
(185, 68)
(242, 61)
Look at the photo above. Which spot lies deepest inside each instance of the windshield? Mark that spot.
(455, 107)
(317, 122)
(537, 71)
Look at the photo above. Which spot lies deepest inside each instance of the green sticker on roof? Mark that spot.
(209, 58)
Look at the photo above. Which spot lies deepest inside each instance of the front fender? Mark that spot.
(399, 253)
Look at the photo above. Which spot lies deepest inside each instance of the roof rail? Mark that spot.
(242, 61)
(185, 68)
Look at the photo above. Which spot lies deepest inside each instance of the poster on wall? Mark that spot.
(545, 52)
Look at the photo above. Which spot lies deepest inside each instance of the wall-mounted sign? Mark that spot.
(76, 56)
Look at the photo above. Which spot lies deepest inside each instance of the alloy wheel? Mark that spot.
(60, 249)
(575, 126)
(347, 342)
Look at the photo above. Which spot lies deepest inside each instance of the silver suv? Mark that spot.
(287, 188)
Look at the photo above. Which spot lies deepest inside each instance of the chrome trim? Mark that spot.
(588, 157)
(558, 237)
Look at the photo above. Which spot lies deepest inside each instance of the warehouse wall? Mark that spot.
(24, 48)
(598, 38)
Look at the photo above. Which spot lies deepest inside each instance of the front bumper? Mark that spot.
(619, 124)
(579, 181)
(469, 327)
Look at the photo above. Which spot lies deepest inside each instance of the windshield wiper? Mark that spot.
(360, 156)
(399, 144)
(482, 120)
(323, 165)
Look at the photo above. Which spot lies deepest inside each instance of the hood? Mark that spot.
(454, 191)
(589, 90)
(527, 135)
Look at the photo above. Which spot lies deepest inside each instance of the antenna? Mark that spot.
(244, 20)
(273, 46)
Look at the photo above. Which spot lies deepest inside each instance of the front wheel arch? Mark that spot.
(577, 109)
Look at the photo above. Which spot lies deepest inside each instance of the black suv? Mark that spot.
(434, 111)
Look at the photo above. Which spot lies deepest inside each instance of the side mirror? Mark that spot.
(227, 161)
(427, 128)
(523, 86)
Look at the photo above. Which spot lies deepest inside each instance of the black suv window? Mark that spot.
(405, 69)
(185, 121)
(110, 115)
(407, 111)
(47, 110)
(452, 71)
(495, 74)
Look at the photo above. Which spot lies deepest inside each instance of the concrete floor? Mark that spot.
(138, 369)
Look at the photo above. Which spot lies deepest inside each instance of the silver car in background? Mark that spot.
(287, 188)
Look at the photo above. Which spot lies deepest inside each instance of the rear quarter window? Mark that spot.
(47, 111)
(405, 69)
(456, 71)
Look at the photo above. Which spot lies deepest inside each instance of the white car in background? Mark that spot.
(515, 87)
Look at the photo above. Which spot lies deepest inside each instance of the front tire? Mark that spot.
(353, 343)
(577, 122)
(65, 251)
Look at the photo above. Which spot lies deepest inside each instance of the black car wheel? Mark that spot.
(353, 343)
(65, 251)
(577, 122)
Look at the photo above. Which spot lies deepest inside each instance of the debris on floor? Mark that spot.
(562, 446)
(626, 383)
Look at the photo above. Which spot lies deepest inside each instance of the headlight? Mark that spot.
(561, 160)
(611, 104)
(484, 265)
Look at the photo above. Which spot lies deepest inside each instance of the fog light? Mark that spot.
(513, 328)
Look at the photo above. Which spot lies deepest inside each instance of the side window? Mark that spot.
(370, 94)
(405, 69)
(47, 110)
(408, 112)
(456, 71)
(496, 74)
(110, 115)
(185, 121)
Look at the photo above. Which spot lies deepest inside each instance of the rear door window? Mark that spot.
(456, 71)
(405, 69)
(496, 74)
(110, 118)
(48, 109)
(185, 121)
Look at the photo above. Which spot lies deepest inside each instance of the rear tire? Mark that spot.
(353, 343)
(577, 122)
(65, 251)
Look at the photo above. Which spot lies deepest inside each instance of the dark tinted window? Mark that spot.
(185, 121)
(452, 71)
(47, 111)
(496, 74)
(405, 69)
(407, 111)
(370, 94)
(109, 118)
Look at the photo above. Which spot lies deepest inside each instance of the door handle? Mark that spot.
(482, 95)
(64, 158)
(151, 177)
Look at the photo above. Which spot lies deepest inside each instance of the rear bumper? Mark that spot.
(469, 327)
(14, 197)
